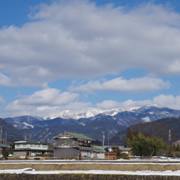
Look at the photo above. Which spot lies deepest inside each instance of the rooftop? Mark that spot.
(30, 142)
(76, 135)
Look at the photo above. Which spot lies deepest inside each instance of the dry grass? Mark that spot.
(117, 167)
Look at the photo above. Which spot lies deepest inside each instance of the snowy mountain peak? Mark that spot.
(149, 106)
(151, 109)
(88, 114)
(75, 115)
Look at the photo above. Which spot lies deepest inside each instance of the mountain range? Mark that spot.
(91, 123)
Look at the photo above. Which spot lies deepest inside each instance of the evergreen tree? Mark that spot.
(144, 145)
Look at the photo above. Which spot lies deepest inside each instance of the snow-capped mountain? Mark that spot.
(121, 116)
(81, 115)
(146, 113)
(74, 115)
(90, 123)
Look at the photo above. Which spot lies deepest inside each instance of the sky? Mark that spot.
(80, 55)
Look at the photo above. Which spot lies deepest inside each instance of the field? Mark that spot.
(96, 166)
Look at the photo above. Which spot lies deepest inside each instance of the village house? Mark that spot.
(110, 155)
(75, 145)
(125, 150)
(30, 148)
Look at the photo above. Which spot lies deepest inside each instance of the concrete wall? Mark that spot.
(18, 154)
(66, 153)
(101, 155)
(85, 153)
(92, 155)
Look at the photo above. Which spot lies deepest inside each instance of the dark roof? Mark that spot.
(92, 148)
(85, 148)
(28, 149)
(80, 136)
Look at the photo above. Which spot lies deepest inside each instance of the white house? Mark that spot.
(30, 148)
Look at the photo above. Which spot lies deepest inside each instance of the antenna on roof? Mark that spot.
(0, 138)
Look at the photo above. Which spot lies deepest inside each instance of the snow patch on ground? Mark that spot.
(28, 125)
(146, 173)
(146, 119)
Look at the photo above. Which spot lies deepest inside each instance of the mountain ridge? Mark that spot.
(93, 126)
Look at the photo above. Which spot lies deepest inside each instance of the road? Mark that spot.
(89, 161)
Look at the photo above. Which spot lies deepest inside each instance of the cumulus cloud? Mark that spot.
(143, 84)
(5, 80)
(49, 96)
(109, 104)
(161, 100)
(50, 102)
(79, 39)
(43, 103)
(168, 100)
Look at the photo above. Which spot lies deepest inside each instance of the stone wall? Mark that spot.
(83, 177)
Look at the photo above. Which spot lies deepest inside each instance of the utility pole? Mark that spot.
(169, 136)
(108, 145)
(103, 137)
(6, 138)
(0, 138)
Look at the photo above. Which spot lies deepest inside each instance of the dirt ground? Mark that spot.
(117, 167)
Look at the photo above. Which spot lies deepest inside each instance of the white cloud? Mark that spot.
(161, 100)
(43, 103)
(50, 102)
(5, 80)
(79, 39)
(49, 96)
(168, 100)
(109, 104)
(143, 84)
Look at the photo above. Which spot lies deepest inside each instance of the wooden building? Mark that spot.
(75, 145)
(111, 155)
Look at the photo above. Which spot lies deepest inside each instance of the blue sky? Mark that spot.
(83, 55)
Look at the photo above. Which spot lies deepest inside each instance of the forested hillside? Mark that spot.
(159, 128)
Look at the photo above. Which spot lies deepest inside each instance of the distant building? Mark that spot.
(30, 148)
(111, 155)
(121, 148)
(3, 146)
(125, 150)
(75, 145)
